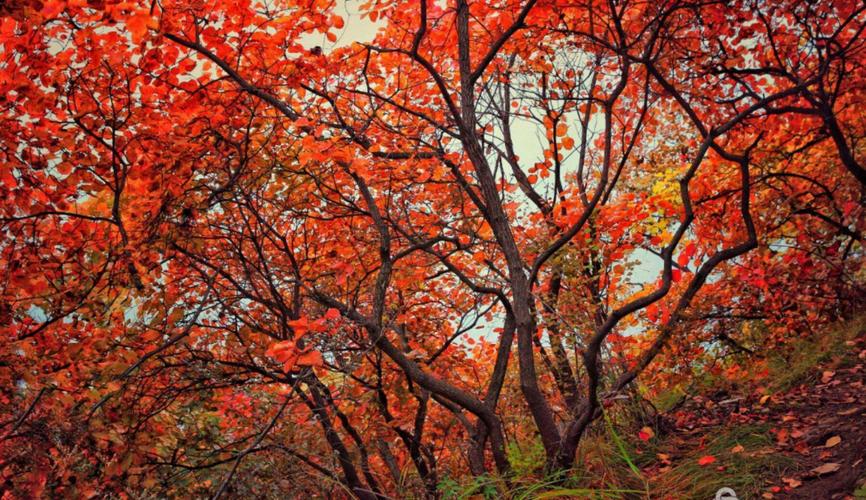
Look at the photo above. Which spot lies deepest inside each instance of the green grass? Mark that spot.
(610, 467)
(800, 363)
(606, 471)
(746, 472)
(493, 487)
(667, 400)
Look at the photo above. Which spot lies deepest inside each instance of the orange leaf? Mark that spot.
(782, 436)
(138, 24)
(792, 482)
(281, 350)
(706, 460)
(289, 365)
(310, 358)
(826, 468)
(561, 129)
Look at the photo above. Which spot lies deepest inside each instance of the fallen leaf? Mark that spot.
(827, 468)
(792, 482)
(802, 448)
(850, 411)
(738, 449)
(764, 399)
(833, 441)
(646, 434)
(782, 436)
(706, 460)
(827, 376)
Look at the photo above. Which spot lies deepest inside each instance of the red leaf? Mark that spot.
(646, 434)
(300, 326)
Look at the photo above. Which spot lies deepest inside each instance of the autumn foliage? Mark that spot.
(244, 256)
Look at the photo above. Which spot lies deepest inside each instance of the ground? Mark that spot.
(807, 441)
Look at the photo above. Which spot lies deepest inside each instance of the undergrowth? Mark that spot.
(612, 467)
(614, 463)
(798, 364)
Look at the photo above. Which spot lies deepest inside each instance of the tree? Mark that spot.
(222, 245)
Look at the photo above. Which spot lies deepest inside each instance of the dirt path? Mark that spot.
(823, 426)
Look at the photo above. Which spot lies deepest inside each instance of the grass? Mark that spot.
(746, 472)
(611, 468)
(799, 365)
(493, 487)
(667, 400)
(606, 471)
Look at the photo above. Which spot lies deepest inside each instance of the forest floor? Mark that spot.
(805, 440)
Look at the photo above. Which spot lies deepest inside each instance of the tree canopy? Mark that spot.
(242, 258)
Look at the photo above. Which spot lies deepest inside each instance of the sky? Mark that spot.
(356, 29)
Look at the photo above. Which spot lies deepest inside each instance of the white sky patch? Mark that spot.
(357, 28)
